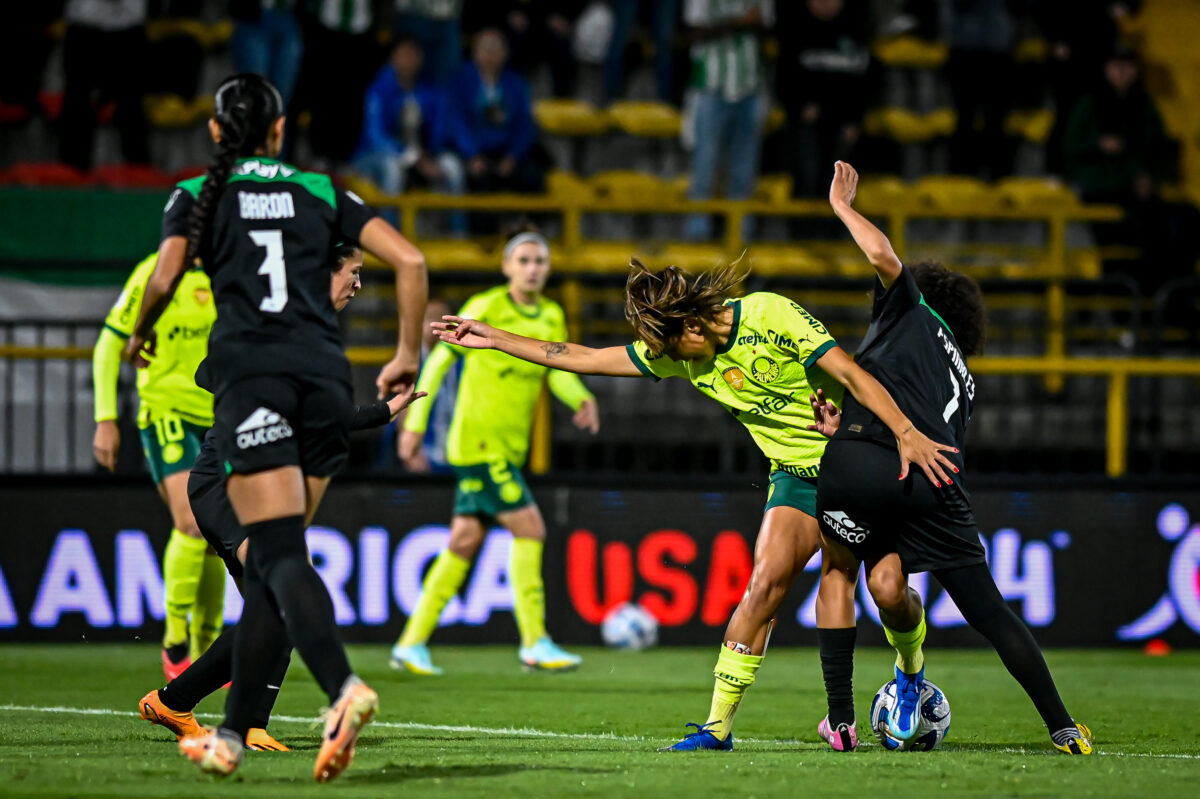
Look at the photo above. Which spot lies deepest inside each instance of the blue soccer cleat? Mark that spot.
(414, 659)
(905, 714)
(702, 738)
(546, 655)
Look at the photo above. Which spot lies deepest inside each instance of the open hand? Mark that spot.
(916, 448)
(845, 184)
(829, 418)
(400, 402)
(470, 333)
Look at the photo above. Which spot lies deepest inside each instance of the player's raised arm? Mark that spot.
(471, 333)
(869, 238)
(379, 238)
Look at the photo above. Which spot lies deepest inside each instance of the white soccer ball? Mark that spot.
(932, 726)
(629, 626)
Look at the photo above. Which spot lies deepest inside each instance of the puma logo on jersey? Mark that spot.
(844, 526)
(262, 427)
(275, 205)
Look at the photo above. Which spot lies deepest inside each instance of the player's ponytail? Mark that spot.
(246, 106)
(657, 303)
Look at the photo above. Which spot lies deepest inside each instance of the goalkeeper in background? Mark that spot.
(173, 416)
(488, 444)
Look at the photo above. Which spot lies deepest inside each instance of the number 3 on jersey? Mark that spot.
(275, 269)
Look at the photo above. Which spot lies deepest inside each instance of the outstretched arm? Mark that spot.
(611, 361)
(915, 447)
(869, 238)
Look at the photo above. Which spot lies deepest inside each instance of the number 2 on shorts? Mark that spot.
(274, 268)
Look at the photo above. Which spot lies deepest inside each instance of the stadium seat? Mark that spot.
(604, 257)
(209, 36)
(458, 254)
(882, 193)
(904, 125)
(565, 184)
(646, 119)
(910, 52)
(785, 259)
(169, 111)
(1033, 49)
(630, 186)
(955, 193)
(694, 257)
(131, 176)
(773, 188)
(43, 174)
(1032, 124)
(1035, 193)
(570, 118)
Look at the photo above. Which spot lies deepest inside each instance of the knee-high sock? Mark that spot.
(529, 594)
(837, 666)
(735, 673)
(183, 564)
(441, 584)
(208, 615)
(205, 676)
(909, 656)
(271, 692)
(260, 636)
(974, 591)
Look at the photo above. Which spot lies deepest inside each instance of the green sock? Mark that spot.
(208, 616)
(442, 583)
(183, 563)
(735, 673)
(529, 594)
(909, 657)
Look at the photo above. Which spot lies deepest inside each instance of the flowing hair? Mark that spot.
(246, 107)
(657, 303)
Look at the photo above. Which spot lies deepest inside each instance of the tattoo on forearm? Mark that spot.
(554, 350)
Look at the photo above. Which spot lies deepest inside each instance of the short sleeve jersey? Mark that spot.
(273, 235)
(168, 384)
(497, 393)
(912, 352)
(763, 375)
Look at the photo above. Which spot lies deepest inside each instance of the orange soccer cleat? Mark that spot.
(354, 708)
(183, 724)
(213, 753)
(260, 740)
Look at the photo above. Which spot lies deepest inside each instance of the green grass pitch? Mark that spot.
(487, 729)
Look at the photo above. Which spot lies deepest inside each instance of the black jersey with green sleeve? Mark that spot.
(273, 235)
(912, 352)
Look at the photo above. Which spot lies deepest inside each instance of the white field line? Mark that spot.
(528, 732)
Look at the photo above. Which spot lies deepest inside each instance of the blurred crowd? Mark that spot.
(437, 93)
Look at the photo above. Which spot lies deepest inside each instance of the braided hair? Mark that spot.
(246, 106)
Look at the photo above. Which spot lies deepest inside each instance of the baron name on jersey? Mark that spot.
(273, 205)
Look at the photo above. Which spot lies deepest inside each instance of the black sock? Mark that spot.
(177, 652)
(281, 560)
(210, 671)
(261, 635)
(267, 703)
(837, 664)
(974, 591)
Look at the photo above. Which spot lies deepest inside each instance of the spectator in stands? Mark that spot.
(664, 19)
(1117, 151)
(821, 81)
(436, 25)
(340, 54)
(728, 81)
(402, 137)
(982, 38)
(267, 41)
(539, 32)
(103, 60)
(489, 121)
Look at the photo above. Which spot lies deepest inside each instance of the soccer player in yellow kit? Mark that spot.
(173, 416)
(760, 357)
(488, 444)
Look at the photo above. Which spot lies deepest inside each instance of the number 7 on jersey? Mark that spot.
(274, 268)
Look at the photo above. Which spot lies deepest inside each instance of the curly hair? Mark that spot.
(957, 299)
(657, 303)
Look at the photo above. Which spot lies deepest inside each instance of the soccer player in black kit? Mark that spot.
(925, 321)
(264, 232)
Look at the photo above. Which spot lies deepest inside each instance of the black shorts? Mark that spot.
(215, 516)
(861, 505)
(284, 420)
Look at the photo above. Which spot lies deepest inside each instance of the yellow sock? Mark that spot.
(735, 673)
(183, 563)
(529, 594)
(909, 657)
(208, 615)
(441, 584)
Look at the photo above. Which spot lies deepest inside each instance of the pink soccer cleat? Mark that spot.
(843, 739)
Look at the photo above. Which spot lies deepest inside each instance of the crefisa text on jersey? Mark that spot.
(269, 205)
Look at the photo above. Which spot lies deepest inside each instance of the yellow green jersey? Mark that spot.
(168, 384)
(497, 393)
(763, 375)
